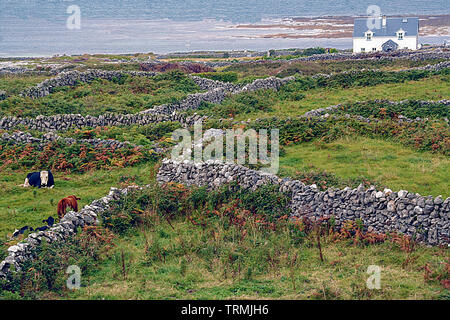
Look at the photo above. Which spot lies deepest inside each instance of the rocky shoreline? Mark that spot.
(336, 27)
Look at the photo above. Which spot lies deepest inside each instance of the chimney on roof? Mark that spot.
(383, 22)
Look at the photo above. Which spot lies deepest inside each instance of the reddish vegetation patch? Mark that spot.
(169, 66)
(60, 157)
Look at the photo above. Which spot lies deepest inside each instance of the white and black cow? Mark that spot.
(43, 179)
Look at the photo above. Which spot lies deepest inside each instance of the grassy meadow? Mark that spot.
(170, 246)
(15, 84)
(389, 164)
(272, 104)
(268, 266)
(425, 89)
(125, 95)
(175, 242)
(29, 206)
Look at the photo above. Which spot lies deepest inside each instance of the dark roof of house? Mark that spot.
(390, 43)
(409, 25)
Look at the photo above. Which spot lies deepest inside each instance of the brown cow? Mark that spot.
(70, 201)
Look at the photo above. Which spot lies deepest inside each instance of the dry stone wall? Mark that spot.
(336, 108)
(64, 122)
(70, 78)
(410, 55)
(425, 218)
(420, 55)
(21, 137)
(157, 114)
(218, 94)
(69, 224)
(429, 67)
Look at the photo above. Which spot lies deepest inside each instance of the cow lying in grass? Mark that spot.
(43, 179)
(70, 201)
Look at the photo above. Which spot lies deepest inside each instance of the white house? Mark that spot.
(385, 34)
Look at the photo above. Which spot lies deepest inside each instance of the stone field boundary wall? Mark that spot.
(88, 215)
(425, 218)
(70, 78)
(396, 55)
(217, 93)
(21, 138)
(336, 108)
(429, 67)
(25, 138)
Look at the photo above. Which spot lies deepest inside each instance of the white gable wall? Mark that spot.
(376, 42)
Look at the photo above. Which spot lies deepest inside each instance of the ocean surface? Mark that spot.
(39, 27)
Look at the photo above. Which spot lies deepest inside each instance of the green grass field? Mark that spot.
(129, 95)
(435, 88)
(390, 164)
(219, 258)
(287, 271)
(15, 84)
(157, 259)
(277, 68)
(29, 206)
(425, 89)
(150, 257)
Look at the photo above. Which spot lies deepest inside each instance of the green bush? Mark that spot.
(431, 136)
(144, 135)
(266, 201)
(172, 200)
(47, 272)
(324, 180)
(243, 103)
(139, 205)
(81, 157)
(121, 95)
(230, 76)
(132, 210)
(410, 108)
(313, 51)
(369, 78)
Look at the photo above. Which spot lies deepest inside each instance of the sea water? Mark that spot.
(39, 27)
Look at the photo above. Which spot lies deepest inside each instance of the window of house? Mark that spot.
(400, 36)
(363, 49)
(368, 36)
(374, 49)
